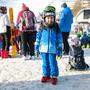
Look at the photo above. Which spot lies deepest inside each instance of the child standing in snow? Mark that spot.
(48, 41)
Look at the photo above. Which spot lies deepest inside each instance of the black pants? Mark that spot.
(27, 41)
(65, 36)
(85, 44)
(6, 39)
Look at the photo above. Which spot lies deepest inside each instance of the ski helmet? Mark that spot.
(49, 11)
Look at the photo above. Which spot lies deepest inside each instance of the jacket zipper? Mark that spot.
(48, 39)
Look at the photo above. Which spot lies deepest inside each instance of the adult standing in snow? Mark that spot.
(26, 23)
(66, 19)
(5, 30)
(48, 42)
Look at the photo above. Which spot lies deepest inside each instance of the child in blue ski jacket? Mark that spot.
(48, 43)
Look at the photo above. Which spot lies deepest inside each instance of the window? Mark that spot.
(86, 14)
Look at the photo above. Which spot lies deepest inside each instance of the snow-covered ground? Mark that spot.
(18, 74)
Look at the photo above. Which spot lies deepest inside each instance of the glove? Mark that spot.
(37, 50)
(59, 51)
(37, 54)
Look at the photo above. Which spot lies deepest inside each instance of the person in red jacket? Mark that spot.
(26, 23)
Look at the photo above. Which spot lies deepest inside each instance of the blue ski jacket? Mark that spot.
(48, 40)
(66, 19)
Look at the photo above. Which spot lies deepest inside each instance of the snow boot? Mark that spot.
(45, 79)
(54, 80)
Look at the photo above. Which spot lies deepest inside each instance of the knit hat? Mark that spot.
(49, 11)
(24, 7)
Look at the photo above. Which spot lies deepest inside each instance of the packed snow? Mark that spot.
(20, 74)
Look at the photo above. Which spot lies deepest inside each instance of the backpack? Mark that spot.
(28, 22)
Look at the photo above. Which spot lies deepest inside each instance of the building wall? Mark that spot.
(77, 5)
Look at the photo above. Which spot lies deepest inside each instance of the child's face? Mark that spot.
(49, 20)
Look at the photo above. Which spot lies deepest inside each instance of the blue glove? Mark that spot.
(59, 51)
(36, 48)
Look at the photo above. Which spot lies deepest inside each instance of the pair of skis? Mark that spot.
(11, 19)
